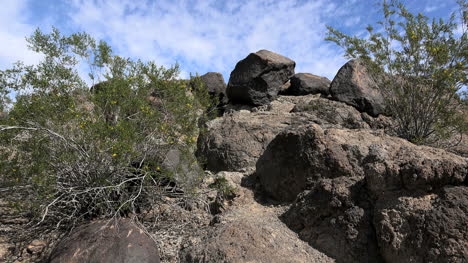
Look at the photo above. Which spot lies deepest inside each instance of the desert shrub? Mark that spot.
(420, 65)
(224, 187)
(78, 152)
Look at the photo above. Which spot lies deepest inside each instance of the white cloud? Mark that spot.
(202, 35)
(13, 31)
(431, 8)
(212, 35)
(352, 21)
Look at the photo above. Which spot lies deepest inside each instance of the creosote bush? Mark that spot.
(420, 66)
(78, 153)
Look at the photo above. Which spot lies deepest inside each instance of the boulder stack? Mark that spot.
(354, 86)
(305, 83)
(257, 79)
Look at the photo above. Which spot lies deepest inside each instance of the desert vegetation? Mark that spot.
(420, 66)
(77, 152)
(275, 166)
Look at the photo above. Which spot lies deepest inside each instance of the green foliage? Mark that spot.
(85, 152)
(222, 185)
(420, 65)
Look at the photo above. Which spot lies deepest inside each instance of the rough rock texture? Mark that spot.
(257, 79)
(335, 217)
(185, 170)
(328, 112)
(214, 82)
(353, 85)
(103, 241)
(236, 140)
(249, 231)
(216, 87)
(404, 166)
(298, 157)
(347, 182)
(424, 228)
(305, 83)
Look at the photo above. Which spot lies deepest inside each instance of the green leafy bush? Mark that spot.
(78, 152)
(420, 65)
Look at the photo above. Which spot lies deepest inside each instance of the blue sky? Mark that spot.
(201, 35)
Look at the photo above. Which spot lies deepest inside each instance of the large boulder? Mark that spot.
(299, 157)
(214, 83)
(107, 242)
(236, 140)
(216, 87)
(353, 85)
(305, 83)
(347, 182)
(335, 217)
(257, 79)
(423, 228)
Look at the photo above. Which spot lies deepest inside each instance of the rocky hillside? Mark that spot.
(299, 169)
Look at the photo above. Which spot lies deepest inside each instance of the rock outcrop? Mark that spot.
(107, 242)
(354, 86)
(303, 178)
(236, 140)
(347, 182)
(305, 83)
(335, 217)
(298, 157)
(330, 113)
(428, 227)
(257, 79)
(250, 232)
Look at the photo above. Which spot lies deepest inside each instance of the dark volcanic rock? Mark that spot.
(305, 83)
(257, 79)
(332, 112)
(425, 228)
(105, 242)
(235, 141)
(354, 86)
(335, 217)
(392, 167)
(214, 82)
(351, 179)
(216, 87)
(298, 157)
